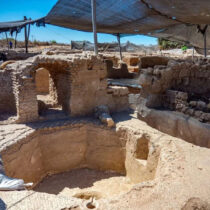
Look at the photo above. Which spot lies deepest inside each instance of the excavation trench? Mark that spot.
(82, 161)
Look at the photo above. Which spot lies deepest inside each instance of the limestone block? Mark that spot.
(208, 107)
(198, 114)
(178, 125)
(149, 70)
(117, 91)
(131, 60)
(4, 64)
(193, 103)
(106, 119)
(151, 61)
(102, 112)
(190, 112)
(201, 105)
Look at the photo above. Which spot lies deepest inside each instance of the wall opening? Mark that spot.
(52, 93)
(142, 148)
(42, 81)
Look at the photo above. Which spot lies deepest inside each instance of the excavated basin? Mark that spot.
(82, 160)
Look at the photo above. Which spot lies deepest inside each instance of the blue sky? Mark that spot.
(15, 10)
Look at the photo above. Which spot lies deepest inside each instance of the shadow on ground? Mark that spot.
(122, 116)
(79, 178)
(2, 205)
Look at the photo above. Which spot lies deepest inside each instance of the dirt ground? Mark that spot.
(85, 183)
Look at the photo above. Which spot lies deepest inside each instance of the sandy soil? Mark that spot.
(85, 183)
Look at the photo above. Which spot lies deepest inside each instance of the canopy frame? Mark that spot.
(93, 7)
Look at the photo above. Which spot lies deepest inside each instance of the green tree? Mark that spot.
(165, 44)
(53, 42)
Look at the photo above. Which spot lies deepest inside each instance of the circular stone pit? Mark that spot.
(85, 161)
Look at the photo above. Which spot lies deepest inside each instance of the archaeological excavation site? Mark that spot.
(107, 127)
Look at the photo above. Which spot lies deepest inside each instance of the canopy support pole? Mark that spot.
(29, 28)
(7, 40)
(93, 6)
(205, 50)
(16, 39)
(120, 50)
(26, 38)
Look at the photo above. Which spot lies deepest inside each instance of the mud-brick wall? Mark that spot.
(88, 87)
(26, 98)
(118, 73)
(7, 99)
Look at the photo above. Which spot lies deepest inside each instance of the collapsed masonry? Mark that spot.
(175, 99)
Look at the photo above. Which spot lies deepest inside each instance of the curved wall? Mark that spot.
(54, 150)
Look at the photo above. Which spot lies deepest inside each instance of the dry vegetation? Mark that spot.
(35, 43)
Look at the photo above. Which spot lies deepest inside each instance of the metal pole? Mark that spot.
(29, 27)
(93, 6)
(26, 39)
(205, 50)
(120, 50)
(16, 39)
(7, 40)
(193, 53)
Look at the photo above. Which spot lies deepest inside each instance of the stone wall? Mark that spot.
(189, 77)
(7, 99)
(133, 63)
(76, 82)
(132, 60)
(179, 101)
(88, 86)
(89, 90)
(115, 60)
(55, 150)
(151, 61)
(52, 149)
(179, 87)
(79, 84)
(118, 72)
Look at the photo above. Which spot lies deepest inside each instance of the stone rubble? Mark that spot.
(102, 112)
(181, 88)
